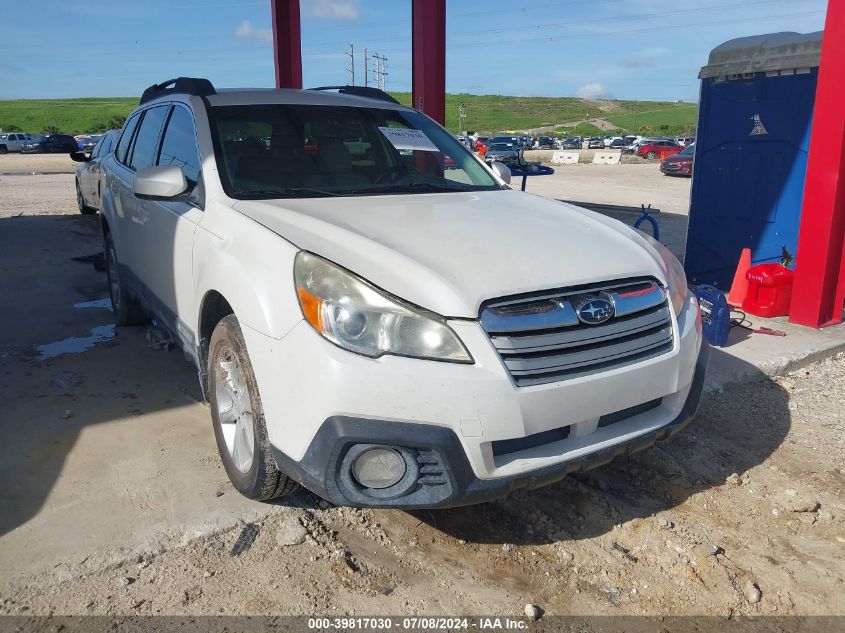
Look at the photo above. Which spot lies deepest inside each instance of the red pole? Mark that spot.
(819, 291)
(428, 93)
(287, 43)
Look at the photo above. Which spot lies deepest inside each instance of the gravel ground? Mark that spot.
(742, 513)
(37, 195)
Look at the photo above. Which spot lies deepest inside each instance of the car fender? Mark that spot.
(252, 268)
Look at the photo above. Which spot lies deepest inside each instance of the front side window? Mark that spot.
(277, 151)
(98, 148)
(179, 145)
(146, 142)
(126, 137)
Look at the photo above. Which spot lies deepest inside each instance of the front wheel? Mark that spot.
(650, 155)
(238, 417)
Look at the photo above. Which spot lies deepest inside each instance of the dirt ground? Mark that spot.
(742, 513)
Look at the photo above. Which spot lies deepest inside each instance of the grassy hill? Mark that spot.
(484, 113)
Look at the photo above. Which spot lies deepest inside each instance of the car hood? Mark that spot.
(677, 158)
(449, 252)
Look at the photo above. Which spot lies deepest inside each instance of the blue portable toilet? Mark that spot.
(756, 107)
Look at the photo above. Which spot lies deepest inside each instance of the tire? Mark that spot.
(80, 202)
(650, 155)
(4, 149)
(238, 417)
(126, 310)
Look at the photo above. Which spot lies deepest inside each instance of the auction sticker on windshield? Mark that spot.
(406, 138)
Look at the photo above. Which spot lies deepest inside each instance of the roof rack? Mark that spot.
(183, 85)
(361, 91)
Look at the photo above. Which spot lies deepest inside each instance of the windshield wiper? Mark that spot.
(289, 192)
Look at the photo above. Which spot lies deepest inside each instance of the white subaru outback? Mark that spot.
(374, 313)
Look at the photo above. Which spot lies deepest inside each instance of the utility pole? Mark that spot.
(366, 68)
(350, 52)
(381, 71)
(462, 112)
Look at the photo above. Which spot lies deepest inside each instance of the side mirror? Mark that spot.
(79, 157)
(501, 170)
(161, 182)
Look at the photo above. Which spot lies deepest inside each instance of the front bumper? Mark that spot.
(451, 480)
(319, 400)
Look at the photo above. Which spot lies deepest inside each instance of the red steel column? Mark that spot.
(428, 93)
(287, 43)
(819, 291)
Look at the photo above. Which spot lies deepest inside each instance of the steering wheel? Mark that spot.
(392, 172)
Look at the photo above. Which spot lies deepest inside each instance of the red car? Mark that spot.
(679, 164)
(656, 149)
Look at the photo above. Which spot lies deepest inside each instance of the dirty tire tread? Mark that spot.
(264, 481)
(130, 311)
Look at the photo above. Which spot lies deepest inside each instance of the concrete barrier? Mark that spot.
(565, 158)
(607, 158)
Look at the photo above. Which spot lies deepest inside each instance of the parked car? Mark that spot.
(506, 153)
(653, 149)
(386, 332)
(13, 142)
(683, 141)
(90, 175)
(679, 164)
(513, 140)
(617, 143)
(595, 143)
(50, 143)
(571, 143)
(545, 142)
(89, 144)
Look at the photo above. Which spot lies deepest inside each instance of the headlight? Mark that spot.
(675, 275)
(360, 318)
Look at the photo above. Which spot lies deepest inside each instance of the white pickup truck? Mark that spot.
(374, 313)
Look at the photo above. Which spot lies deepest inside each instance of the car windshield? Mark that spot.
(501, 147)
(286, 151)
(689, 150)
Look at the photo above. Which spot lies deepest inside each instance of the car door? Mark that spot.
(122, 195)
(169, 226)
(86, 174)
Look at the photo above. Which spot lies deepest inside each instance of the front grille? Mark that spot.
(541, 338)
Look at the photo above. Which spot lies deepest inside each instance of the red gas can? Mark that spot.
(769, 290)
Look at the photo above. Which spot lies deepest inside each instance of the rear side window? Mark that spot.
(126, 138)
(146, 141)
(179, 146)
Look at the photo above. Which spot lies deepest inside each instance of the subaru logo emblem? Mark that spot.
(594, 311)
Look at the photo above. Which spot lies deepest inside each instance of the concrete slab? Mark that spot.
(106, 451)
(750, 356)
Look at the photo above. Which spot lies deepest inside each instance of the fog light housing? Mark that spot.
(379, 467)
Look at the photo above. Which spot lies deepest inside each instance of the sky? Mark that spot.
(627, 49)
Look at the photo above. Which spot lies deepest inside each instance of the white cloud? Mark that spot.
(644, 58)
(592, 91)
(335, 9)
(246, 31)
